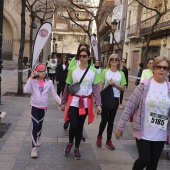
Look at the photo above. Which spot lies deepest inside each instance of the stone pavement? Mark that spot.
(15, 145)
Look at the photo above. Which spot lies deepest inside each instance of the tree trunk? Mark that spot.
(21, 51)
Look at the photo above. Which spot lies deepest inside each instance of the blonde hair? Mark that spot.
(108, 62)
(159, 59)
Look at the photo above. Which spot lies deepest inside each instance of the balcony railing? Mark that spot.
(132, 31)
(146, 25)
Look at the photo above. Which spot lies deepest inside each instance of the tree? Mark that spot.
(21, 51)
(160, 9)
(93, 14)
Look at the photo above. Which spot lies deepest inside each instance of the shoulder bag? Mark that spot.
(73, 88)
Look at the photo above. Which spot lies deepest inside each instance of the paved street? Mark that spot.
(15, 146)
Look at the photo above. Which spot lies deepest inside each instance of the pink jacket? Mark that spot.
(136, 105)
(38, 99)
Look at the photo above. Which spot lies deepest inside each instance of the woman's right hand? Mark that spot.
(118, 133)
(62, 107)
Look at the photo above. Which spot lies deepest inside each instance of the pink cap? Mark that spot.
(40, 67)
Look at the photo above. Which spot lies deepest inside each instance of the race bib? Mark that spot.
(157, 120)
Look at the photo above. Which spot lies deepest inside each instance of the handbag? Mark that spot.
(108, 99)
(73, 88)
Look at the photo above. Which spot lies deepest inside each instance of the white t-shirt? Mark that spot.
(64, 66)
(157, 101)
(90, 78)
(53, 66)
(116, 77)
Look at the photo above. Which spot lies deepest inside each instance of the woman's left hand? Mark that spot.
(99, 110)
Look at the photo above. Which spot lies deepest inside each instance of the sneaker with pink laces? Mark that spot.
(110, 145)
(121, 106)
(99, 141)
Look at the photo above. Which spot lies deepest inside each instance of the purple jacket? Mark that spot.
(136, 105)
(37, 99)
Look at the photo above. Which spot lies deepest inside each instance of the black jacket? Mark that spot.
(125, 70)
(61, 74)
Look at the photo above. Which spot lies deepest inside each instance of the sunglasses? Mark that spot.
(42, 71)
(114, 59)
(162, 67)
(84, 56)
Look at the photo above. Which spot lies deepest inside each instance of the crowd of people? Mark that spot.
(80, 84)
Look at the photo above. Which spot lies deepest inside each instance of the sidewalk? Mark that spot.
(15, 145)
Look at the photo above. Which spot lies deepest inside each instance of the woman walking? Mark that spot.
(40, 86)
(61, 74)
(52, 70)
(113, 76)
(80, 104)
(150, 103)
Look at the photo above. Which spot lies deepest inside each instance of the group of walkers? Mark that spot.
(82, 81)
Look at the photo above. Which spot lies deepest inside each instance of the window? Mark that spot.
(60, 37)
(61, 26)
(118, 27)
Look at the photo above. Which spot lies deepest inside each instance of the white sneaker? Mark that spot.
(38, 141)
(34, 153)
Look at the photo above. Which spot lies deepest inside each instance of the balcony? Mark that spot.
(132, 31)
(146, 25)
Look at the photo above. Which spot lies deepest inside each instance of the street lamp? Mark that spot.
(113, 29)
(54, 40)
(1, 28)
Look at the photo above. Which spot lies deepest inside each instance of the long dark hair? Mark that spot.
(61, 60)
(78, 50)
(88, 53)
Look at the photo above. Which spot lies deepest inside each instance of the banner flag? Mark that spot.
(95, 46)
(40, 40)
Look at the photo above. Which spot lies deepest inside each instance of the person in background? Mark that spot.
(52, 70)
(97, 66)
(40, 87)
(146, 73)
(125, 71)
(75, 60)
(55, 58)
(137, 82)
(61, 74)
(80, 104)
(113, 76)
(150, 103)
(48, 63)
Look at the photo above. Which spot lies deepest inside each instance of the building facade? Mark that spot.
(139, 23)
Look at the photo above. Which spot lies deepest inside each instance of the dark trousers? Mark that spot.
(76, 125)
(60, 88)
(121, 96)
(37, 116)
(149, 154)
(108, 117)
(52, 77)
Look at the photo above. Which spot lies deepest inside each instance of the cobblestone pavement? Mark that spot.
(15, 145)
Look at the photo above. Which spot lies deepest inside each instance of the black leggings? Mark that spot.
(76, 125)
(60, 88)
(121, 96)
(108, 117)
(37, 116)
(149, 154)
(52, 77)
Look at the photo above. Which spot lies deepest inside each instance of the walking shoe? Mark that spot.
(67, 150)
(77, 154)
(38, 141)
(99, 141)
(110, 145)
(121, 106)
(83, 138)
(34, 153)
(65, 126)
